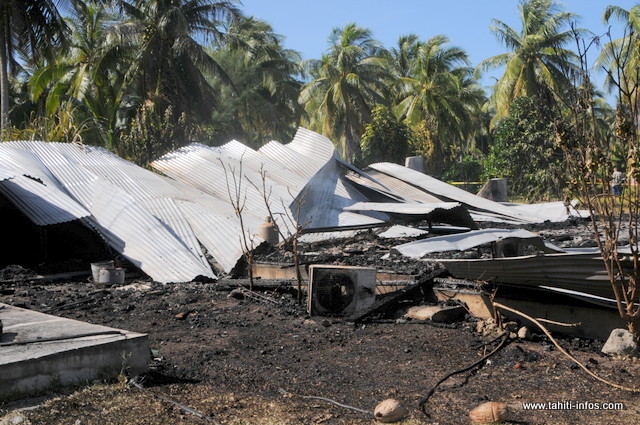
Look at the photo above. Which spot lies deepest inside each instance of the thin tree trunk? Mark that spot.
(4, 83)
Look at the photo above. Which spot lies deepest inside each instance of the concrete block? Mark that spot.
(436, 313)
(39, 351)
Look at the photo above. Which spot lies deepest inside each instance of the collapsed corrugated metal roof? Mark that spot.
(420, 187)
(303, 173)
(67, 181)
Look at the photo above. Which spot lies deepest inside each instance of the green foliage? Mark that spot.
(345, 84)
(154, 132)
(384, 139)
(467, 169)
(438, 96)
(261, 103)
(537, 63)
(524, 152)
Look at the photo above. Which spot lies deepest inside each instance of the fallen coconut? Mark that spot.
(390, 410)
(489, 413)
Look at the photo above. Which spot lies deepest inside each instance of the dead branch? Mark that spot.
(238, 202)
(552, 322)
(562, 350)
(312, 397)
(501, 345)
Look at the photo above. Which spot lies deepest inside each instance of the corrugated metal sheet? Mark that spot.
(441, 212)
(398, 231)
(43, 205)
(574, 272)
(459, 242)
(303, 172)
(393, 187)
(114, 192)
(409, 208)
(324, 201)
(5, 175)
(447, 192)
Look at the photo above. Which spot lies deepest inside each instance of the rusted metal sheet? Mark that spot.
(574, 272)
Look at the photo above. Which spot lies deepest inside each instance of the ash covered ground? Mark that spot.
(249, 361)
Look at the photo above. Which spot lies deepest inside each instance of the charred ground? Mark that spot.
(230, 358)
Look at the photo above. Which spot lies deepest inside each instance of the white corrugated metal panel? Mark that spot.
(305, 155)
(43, 205)
(452, 213)
(410, 208)
(113, 191)
(325, 236)
(212, 170)
(290, 159)
(449, 192)
(6, 175)
(459, 242)
(398, 231)
(552, 211)
(394, 187)
(168, 212)
(139, 236)
(220, 234)
(322, 207)
(312, 144)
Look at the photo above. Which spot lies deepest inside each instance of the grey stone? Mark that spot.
(524, 333)
(621, 342)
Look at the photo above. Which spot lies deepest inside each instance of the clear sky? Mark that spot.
(306, 24)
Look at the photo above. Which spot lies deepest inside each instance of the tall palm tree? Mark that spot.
(440, 86)
(261, 103)
(31, 27)
(404, 55)
(345, 85)
(438, 93)
(88, 79)
(537, 63)
(622, 56)
(172, 65)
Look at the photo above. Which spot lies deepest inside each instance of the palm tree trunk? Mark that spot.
(4, 83)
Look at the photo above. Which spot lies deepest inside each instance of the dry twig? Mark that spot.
(562, 350)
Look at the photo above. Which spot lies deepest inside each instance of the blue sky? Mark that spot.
(306, 24)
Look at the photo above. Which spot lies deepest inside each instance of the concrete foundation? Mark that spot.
(39, 352)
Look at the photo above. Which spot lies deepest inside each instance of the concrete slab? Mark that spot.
(39, 351)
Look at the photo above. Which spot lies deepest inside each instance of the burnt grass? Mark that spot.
(249, 361)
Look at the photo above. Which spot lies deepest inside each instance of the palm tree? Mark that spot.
(438, 94)
(261, 103)
(345, 85)
(31, 27)
(88, 79)
(404, 55)
(171, 66)
(537, 64)
(622, 56)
